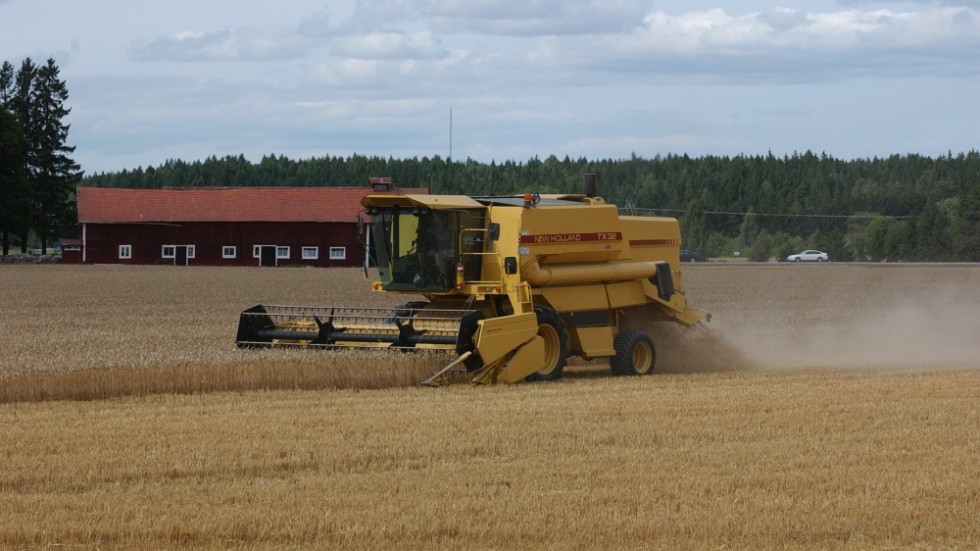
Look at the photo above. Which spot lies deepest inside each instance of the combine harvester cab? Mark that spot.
(513, 285)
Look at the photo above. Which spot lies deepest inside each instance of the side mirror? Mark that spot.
(493, 232)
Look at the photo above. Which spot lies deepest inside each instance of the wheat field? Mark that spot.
(827, 407)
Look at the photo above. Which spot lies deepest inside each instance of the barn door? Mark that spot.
(180, 255)
(267, 255)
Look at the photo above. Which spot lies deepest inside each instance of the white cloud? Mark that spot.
(346, 73)
(535, 17)
(364, 109)
(239, 44)
(715, 30)
(974, 3)
(392, 45)
(538, 77)
(790, 45)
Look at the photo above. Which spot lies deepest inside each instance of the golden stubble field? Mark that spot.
(828, 407)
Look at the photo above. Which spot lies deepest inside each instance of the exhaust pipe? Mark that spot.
(589, 185)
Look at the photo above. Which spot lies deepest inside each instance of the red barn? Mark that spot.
(315, 226)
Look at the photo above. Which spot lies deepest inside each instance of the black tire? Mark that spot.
(819, 259)
(797, 259)
(551, 328)
(635, 354)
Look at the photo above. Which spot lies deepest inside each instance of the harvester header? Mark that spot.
(512, 285)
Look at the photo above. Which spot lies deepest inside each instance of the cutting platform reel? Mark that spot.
(409, 326)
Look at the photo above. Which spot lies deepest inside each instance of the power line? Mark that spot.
(779, 215)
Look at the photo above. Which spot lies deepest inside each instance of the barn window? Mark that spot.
(338, 253)
(282, 252)
(311, 253)
(125, 251)
(191, 250)
(229, 251)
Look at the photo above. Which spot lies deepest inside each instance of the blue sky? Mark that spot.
(151, 81)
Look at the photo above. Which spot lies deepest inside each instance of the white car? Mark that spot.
(808, 256)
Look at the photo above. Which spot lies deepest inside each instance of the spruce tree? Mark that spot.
(52, 174)
(966, 229)
(17, 100)
(15, 201)
(14, 197)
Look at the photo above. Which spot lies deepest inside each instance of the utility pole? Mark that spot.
(450, 132)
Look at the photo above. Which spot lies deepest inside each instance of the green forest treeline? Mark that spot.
(900, 208)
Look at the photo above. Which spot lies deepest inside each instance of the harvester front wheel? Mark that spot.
(635, 354)
(555, 336)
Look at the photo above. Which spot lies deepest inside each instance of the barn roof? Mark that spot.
(239, 204)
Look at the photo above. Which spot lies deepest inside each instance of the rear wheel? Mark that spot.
(635, 354)
(555, 336)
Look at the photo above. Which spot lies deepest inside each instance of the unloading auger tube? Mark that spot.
(510, 286)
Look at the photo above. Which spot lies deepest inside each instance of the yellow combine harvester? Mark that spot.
(513, 285)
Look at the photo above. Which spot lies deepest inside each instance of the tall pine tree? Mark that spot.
(15, 96)
(52, 174)
(966, 229)
(14, 197)
(38, 194)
